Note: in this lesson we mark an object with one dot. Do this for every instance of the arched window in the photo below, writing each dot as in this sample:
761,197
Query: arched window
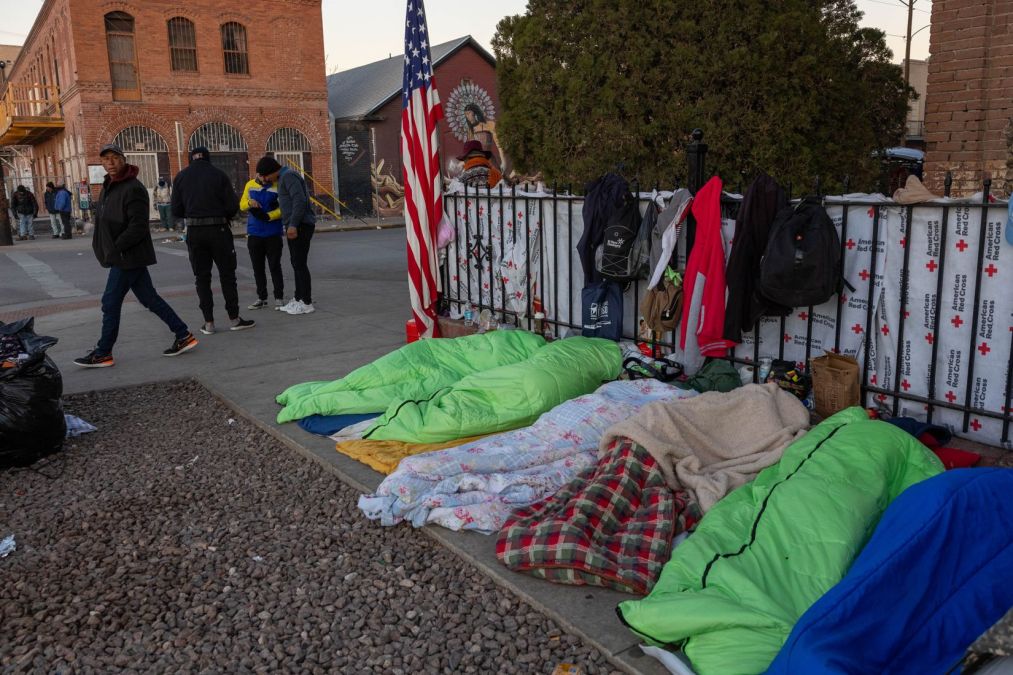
140,139
122,56
234,47
218,137
228,150
182,45
290,147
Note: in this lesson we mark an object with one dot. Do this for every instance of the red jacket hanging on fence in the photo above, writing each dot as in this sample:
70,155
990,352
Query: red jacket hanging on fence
703,309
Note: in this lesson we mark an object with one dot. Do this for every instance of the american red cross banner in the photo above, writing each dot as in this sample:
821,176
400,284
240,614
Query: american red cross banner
420,114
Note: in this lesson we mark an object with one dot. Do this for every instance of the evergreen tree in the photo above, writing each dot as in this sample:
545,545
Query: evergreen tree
795,88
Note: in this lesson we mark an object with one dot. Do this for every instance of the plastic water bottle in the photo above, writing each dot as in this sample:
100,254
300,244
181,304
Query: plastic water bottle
469,314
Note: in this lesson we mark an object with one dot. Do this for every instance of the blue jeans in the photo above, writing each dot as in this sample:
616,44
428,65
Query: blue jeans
139,281
26,225
165,215
54,224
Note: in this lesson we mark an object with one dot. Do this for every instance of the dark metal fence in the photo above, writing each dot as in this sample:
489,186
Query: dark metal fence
512,258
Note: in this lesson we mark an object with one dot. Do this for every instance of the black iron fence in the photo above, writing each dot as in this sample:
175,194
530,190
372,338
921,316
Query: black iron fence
930,321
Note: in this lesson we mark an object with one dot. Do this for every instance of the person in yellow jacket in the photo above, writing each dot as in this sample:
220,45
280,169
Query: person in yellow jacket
264,238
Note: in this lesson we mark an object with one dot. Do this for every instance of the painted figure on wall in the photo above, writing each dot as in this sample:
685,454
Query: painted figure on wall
471,115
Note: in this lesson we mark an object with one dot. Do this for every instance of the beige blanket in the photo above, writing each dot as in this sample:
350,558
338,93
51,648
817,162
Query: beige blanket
715,442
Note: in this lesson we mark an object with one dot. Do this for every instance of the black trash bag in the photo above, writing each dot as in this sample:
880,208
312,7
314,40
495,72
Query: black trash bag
32,425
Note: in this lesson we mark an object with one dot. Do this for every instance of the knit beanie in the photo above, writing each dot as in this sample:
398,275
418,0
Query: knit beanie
267,165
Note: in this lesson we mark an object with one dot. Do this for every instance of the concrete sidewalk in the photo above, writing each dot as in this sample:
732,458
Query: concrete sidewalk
361,313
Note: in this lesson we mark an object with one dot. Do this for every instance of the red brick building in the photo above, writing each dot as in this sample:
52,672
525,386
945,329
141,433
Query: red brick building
161,77
366,105
969,101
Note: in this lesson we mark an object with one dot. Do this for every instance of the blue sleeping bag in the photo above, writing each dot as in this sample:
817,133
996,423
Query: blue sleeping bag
934,576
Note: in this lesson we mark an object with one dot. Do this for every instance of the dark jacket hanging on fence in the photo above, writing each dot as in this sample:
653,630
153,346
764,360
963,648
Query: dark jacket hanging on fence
760,205
603,197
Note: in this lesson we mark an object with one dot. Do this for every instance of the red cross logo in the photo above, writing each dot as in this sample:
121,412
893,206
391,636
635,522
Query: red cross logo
991,270
984,349
787,338
931,265
903,242
976,425
803,315
961,245
864,274
885,330
951,397
844,298
957,321
850,244
881,398
857,329
905,385
873,379
930,338
871,212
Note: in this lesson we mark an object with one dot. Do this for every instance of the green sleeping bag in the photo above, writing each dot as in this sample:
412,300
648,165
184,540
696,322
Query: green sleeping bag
503,398
732,592
414,371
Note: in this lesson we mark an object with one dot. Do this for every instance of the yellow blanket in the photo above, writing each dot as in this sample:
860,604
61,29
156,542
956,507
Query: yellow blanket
384,456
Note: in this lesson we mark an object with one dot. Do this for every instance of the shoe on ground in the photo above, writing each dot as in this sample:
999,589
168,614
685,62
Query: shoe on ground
302,308
208,328
180,345
259,304
56,236
95,360
278,303
292,307
285,307
243,324
32,237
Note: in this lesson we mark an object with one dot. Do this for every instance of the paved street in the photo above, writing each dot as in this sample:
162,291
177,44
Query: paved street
360,291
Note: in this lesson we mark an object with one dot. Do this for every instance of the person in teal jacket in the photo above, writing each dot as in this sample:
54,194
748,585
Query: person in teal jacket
264,237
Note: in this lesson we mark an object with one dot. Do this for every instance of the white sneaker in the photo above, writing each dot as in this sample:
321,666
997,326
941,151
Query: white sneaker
293,307
303,308
287,306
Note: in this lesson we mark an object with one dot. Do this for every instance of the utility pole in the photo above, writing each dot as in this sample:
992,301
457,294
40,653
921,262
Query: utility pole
6,238
907,44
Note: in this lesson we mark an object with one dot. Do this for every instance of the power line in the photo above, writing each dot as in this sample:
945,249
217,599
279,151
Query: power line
901,5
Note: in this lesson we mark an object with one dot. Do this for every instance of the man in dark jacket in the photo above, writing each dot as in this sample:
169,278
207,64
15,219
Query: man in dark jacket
203,195
25,208
122,242
299,223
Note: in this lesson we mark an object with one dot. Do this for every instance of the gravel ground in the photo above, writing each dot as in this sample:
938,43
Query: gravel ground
173,541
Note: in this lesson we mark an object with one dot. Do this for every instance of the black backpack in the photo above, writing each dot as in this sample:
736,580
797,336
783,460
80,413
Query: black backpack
618,258
802,263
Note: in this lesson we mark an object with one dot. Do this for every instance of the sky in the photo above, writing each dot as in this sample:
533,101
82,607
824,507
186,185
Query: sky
357,32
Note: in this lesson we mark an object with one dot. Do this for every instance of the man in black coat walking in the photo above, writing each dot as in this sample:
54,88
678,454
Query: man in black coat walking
203,195
122,242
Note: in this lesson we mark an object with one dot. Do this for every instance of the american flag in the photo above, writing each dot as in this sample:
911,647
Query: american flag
423,202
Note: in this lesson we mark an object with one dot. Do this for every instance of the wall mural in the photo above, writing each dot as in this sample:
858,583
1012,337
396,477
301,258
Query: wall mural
388,195
471,115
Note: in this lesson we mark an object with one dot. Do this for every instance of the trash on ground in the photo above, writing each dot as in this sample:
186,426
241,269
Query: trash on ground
7,546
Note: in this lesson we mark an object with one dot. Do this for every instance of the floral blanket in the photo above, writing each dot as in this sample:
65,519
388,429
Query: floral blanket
612,526
477,485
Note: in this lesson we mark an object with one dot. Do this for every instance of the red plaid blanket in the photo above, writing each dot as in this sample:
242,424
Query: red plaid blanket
612,526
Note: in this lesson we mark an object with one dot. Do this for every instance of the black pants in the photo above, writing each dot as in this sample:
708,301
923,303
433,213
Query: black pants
65,221
298,252
207,245
269,249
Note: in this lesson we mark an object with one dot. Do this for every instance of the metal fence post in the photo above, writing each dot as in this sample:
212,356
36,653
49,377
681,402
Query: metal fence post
696,158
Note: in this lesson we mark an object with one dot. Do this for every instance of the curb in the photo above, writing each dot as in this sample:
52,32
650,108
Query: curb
162,236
